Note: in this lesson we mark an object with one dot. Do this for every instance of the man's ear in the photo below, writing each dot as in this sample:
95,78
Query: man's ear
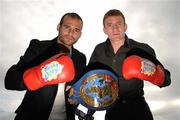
125,27
104,29
58,26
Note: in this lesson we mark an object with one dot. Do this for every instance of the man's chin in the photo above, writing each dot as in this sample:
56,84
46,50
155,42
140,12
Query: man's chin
69,44
116,38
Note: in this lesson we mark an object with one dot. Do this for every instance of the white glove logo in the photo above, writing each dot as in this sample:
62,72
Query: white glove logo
147,67
51,71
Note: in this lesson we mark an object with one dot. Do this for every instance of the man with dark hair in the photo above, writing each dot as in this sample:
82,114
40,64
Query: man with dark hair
134,62
49,102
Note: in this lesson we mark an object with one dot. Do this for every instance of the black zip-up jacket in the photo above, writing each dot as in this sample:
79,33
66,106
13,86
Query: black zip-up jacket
104,54
37,105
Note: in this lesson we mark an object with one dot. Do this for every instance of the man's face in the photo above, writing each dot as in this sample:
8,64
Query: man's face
115,28
69,31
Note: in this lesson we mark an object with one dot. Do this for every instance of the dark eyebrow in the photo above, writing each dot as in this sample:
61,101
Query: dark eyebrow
65,25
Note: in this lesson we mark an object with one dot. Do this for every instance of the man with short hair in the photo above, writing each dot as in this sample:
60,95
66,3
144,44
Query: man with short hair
49,102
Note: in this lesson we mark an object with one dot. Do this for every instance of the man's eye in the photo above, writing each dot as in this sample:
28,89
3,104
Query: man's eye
109,25
119,24
77,30
65,26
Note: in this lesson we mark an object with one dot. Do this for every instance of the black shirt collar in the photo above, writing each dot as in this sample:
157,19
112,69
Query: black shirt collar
109,49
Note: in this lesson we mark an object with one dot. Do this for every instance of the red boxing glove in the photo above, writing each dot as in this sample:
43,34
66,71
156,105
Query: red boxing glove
57,69
143,69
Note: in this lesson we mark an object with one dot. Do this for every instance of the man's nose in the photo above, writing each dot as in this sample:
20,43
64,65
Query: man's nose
70,31
115,27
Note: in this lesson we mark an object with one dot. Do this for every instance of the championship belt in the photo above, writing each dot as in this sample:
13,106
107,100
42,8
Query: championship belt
96,90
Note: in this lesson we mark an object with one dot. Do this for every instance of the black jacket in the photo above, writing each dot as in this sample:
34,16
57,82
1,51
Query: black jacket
38,104
104,54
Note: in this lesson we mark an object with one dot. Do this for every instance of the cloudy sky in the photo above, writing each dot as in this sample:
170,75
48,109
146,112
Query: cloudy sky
156,22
